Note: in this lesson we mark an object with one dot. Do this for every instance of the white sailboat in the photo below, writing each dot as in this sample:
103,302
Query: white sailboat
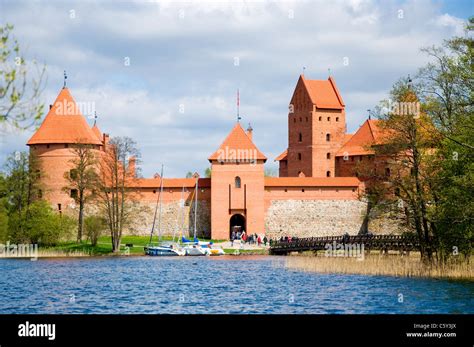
161,248
196,247
193,248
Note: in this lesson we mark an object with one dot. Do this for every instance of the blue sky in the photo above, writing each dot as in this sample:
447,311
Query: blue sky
182,57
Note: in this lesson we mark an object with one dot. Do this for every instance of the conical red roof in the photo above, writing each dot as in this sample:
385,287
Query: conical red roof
97,132
64,123
359,144
237,141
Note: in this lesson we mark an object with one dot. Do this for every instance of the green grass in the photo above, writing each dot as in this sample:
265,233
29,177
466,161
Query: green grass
104,245
245,251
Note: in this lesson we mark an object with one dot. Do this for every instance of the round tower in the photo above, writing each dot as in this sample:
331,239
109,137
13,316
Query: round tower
53,146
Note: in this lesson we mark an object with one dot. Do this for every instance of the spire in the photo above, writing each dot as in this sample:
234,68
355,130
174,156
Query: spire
65,78
238,106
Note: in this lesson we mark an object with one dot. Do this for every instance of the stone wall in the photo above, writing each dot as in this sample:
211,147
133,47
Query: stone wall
387,220
313,218
172,220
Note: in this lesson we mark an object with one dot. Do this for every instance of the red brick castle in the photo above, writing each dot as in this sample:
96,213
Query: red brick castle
317,192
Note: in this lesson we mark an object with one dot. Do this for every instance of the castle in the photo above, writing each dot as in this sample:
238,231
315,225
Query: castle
317,192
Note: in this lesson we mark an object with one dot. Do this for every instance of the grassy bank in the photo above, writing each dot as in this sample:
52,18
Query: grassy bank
389,265
103,247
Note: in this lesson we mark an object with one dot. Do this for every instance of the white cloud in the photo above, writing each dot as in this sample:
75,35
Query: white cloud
182,53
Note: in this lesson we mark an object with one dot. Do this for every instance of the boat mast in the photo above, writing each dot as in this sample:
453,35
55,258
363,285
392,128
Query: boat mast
156,206
195,205
161,193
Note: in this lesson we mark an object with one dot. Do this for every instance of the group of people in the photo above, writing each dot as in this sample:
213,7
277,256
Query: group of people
288,239
252,239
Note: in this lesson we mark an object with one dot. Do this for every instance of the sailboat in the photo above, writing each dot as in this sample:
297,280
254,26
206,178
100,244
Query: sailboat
161,248
195,247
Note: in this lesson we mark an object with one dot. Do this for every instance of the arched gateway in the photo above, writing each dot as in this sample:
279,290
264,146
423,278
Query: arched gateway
237,224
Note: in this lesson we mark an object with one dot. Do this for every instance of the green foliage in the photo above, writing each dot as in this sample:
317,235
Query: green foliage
39,224
95,227
20,105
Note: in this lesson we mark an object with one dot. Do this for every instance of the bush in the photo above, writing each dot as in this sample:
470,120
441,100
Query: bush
94,227
40,224
3,222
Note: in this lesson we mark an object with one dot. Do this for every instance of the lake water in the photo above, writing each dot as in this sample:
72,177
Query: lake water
244,284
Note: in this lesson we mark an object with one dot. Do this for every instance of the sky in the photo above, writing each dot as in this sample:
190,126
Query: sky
166,73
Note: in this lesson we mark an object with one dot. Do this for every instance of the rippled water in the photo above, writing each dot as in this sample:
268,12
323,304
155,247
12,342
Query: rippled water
213,285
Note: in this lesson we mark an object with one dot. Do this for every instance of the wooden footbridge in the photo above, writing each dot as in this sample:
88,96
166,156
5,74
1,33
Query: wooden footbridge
383,243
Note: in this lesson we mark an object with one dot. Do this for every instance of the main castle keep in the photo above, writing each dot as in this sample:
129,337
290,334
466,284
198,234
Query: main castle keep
317,192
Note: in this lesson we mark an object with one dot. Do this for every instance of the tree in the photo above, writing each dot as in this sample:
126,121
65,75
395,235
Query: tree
406,150
23,187
447,90
431,155
115,194
189,174
20,106
82,179
207,172
39,225
94,226
3,209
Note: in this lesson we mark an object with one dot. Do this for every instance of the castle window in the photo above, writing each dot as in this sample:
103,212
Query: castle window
59,207
301,119
40,194
302,190
294,120
329,118
328,155
337,119
237,182
66,145
328,137
299,156
47,146
352,158
154,191
328,173
286,190
320,119
300,137
387,171
306,118
74,193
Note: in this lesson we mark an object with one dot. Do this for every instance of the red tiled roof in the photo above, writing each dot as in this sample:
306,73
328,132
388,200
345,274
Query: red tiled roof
282,156
64,124
312,182
97,132
367,135
237,141
324,94
171,182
